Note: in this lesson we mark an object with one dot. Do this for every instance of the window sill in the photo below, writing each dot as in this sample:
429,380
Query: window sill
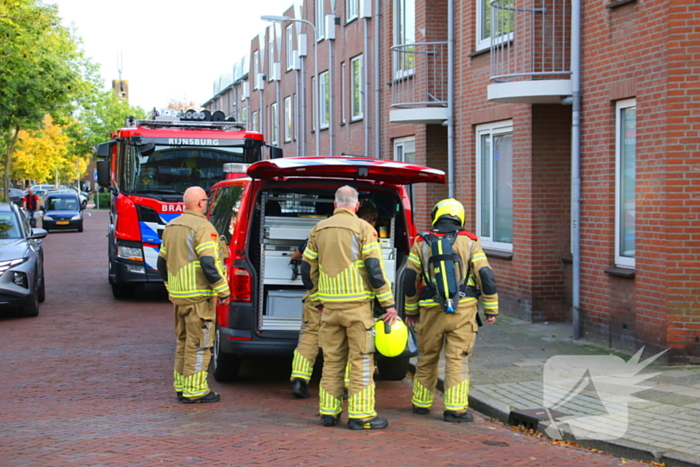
617,3
476,53
499,254
616,271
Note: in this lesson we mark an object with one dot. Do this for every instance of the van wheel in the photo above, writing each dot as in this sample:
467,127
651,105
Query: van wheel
121,291
392,369
226,366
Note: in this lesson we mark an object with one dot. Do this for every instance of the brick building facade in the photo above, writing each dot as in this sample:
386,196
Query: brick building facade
486,94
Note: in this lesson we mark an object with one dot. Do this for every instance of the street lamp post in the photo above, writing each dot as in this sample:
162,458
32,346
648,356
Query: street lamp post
281,19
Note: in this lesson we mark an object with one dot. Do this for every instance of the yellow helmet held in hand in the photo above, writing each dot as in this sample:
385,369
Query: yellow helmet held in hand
390,341
448,208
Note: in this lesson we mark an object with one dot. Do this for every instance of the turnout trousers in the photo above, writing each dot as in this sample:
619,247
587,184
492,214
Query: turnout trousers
194,328
307,349
346,337
456,333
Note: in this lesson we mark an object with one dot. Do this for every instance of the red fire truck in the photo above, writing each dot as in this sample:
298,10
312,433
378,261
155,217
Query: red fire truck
147,166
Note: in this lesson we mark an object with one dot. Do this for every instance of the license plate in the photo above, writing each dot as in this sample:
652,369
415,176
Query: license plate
61,222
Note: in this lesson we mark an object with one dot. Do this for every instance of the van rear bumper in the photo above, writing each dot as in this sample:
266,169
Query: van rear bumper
245,343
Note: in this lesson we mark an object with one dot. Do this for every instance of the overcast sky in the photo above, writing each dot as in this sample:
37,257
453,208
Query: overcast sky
170,49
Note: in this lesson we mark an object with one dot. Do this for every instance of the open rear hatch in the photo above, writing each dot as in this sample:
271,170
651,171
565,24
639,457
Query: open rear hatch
352,168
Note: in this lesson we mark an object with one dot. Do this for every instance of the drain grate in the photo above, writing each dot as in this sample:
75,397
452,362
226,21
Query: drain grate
530,418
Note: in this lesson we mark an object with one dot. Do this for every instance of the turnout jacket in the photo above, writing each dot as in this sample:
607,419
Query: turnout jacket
189,261
343,265
476,273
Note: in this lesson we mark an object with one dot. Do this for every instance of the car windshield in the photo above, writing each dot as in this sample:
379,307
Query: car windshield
8,226
62,204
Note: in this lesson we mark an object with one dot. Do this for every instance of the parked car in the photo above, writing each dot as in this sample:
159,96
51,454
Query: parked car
22,283
16,196
264,212
62,211
81,194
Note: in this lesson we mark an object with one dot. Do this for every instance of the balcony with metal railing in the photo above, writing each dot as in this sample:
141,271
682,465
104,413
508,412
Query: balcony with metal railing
530,51
419,85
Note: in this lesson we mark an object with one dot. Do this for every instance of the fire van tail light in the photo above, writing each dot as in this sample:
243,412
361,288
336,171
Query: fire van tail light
241,285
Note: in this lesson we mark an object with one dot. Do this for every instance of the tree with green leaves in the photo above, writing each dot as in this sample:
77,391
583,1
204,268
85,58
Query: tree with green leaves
40,71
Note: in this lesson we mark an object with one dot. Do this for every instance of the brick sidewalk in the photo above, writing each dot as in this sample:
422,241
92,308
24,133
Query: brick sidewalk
507,373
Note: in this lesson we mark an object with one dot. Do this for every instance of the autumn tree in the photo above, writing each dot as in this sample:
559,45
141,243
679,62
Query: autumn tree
41,153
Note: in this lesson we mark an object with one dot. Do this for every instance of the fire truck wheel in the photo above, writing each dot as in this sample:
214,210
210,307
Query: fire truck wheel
121,291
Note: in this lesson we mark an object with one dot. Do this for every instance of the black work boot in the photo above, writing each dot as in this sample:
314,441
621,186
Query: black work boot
330,420
211,397
457,417
421,410
375,423
300,388
179,395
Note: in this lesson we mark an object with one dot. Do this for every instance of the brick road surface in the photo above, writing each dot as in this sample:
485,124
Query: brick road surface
88,383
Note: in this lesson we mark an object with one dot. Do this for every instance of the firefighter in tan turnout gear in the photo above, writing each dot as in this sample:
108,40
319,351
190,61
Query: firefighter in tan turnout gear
343,271
189,263
307,349
454,329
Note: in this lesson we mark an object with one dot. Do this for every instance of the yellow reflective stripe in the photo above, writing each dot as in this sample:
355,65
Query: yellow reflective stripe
411,306
221,288
328,405
430,302
491,305
204,246
385,296
162,249
301,367
310,254
414,258
457,397
422,396
370,246
478,256
341,298
192,293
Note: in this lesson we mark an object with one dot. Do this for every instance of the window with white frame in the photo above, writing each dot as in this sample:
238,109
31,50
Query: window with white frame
502,22
350,10
405,151
274,124
256,68
244,114
255,121
343,93
625,181
314,103
295,116
494,191
271,53
405,36
356,100
320,20
290,47
288,119
325,96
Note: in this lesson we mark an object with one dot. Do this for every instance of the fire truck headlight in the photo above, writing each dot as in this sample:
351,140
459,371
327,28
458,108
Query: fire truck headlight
134,254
